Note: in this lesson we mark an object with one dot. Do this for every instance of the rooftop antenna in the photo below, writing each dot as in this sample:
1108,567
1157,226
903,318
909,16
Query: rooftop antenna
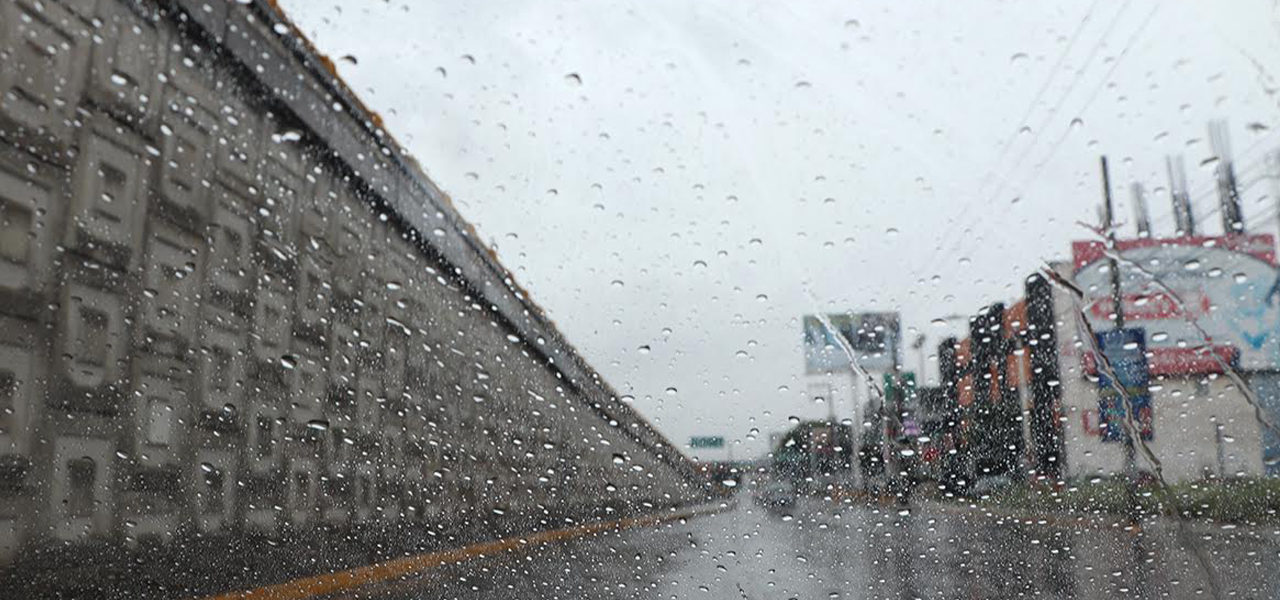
1142,217
1228,192
1183,219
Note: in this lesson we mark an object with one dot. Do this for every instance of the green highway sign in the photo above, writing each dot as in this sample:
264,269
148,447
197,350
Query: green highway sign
711,441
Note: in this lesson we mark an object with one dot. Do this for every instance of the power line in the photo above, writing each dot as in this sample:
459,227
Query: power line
1053,150
1037,133
1044,87
1093,53
1206,189
1058,143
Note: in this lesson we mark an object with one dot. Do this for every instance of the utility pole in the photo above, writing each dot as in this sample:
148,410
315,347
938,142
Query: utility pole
1228,191
918,346
1117,298
1141,216
831,403
1182,215
1113,267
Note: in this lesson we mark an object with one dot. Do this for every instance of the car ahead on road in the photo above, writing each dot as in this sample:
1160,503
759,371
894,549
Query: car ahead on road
775,494
989,485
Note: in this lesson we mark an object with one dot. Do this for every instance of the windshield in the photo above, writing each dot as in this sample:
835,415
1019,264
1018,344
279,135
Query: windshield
639,299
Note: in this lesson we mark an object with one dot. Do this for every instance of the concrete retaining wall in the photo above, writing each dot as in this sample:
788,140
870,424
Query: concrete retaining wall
232,308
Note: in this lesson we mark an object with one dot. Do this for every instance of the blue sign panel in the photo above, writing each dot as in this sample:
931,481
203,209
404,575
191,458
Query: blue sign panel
1126,352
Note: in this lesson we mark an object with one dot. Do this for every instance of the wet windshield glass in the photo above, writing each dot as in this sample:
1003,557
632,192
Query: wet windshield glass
639,300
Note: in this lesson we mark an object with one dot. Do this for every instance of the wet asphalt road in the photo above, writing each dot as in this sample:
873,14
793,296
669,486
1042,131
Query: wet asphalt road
824,550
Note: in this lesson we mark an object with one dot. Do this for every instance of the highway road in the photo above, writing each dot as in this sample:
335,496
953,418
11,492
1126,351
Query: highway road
821,549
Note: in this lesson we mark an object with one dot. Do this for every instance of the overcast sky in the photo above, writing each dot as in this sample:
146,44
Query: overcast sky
676,183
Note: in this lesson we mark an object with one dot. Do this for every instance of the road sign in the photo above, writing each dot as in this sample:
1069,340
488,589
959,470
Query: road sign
1126,351
711,441
891,386
873,337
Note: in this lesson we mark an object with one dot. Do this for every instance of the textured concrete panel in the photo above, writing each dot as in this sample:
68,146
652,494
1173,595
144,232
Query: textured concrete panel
234,309
46,50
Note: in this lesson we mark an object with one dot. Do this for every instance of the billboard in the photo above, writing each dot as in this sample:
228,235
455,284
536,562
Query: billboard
873,336
1175,287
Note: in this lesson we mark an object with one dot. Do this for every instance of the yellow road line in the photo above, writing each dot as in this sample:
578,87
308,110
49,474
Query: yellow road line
341,581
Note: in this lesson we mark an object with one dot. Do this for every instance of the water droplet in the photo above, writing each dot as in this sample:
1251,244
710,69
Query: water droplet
1018,57
289,361
671,391
349,58
1191,265
573,79
643,349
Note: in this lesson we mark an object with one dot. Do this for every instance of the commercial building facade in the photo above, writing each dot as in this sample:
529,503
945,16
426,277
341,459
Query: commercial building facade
1024,385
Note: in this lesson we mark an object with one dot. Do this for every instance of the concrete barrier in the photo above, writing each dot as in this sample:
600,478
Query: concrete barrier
238,319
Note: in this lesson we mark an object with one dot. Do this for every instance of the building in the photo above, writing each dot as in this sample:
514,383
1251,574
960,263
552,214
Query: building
1024,385
1003,384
